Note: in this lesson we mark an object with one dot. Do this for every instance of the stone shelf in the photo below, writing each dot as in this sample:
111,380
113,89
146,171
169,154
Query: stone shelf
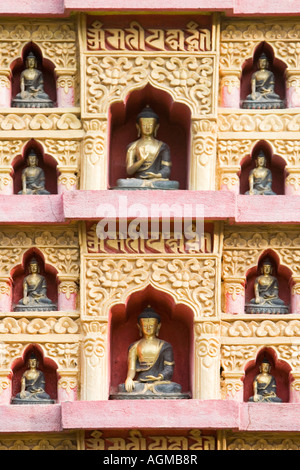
94,204
163,414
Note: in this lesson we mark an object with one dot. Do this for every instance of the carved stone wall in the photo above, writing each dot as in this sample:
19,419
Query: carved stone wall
119,58
240,130
58,130
189,279
57,333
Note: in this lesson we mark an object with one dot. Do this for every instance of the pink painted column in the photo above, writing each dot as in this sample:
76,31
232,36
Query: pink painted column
65,91
232,386
6,181
67,180
5,295
293,89
292,182
230,89
5,89
67,296
230,180
234,291
5,387
67,386
295,296
294,387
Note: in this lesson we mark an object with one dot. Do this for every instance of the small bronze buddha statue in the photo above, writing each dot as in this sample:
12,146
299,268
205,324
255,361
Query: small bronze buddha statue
35,292
32,94
148,160
150,364
32,386
266,298
262,94
33,177
260,178
264,386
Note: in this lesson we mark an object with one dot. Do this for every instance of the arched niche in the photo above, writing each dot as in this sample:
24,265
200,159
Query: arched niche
280,272
275,163
43,64
280,370
45,161
174,129
46,365
176,329
19,272
277,66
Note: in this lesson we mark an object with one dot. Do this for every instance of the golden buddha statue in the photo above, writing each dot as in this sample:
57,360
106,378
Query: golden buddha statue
148,160
33,177
32,94
150,363
266,298
264,386
32,386
262,94
34,292
260,179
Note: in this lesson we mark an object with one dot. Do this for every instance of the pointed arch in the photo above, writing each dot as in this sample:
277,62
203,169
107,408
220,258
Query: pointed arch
175,120
274,162
45,161
280,370
277,66
282,273
46,66
45,364
19,272
177,329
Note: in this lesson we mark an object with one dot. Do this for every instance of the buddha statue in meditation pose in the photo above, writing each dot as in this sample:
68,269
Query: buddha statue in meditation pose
148,160
32,386
35,292
260,178
33,177
264,386
32,94
262,94
266,298
150,364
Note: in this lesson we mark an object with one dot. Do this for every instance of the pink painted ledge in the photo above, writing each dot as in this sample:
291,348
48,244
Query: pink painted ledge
267,209
270,417
31,209
181,414
96,205
92,205
65,7
152,414
30,418
147,414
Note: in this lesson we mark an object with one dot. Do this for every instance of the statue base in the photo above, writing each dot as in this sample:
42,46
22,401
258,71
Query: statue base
263,399
149,396
45,308
135,183
267,309
32,104
19,401
260,193
275,104
150,391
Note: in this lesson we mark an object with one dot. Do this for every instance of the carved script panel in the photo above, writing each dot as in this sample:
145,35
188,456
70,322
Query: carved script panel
136,440
189,37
